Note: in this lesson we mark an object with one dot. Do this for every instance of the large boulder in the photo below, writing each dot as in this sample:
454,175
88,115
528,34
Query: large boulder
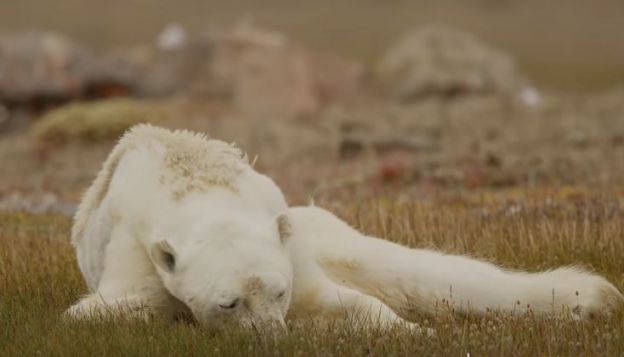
37,68
440,61
270,75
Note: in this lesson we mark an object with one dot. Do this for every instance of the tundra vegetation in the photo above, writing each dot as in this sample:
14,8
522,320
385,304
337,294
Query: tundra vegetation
39,279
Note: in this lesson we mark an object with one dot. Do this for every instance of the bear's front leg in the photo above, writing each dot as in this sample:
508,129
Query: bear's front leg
338,298
128,286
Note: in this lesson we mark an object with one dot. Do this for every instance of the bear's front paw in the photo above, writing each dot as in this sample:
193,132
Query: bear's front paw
94,307
85,309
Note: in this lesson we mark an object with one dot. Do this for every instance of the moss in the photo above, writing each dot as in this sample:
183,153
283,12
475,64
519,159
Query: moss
94,121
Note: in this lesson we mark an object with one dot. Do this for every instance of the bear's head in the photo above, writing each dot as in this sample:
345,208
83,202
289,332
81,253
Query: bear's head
229,269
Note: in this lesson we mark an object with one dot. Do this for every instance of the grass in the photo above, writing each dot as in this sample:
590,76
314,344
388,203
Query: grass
39,279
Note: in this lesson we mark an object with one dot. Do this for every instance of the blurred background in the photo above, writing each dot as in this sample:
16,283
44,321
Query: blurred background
572,44
338,99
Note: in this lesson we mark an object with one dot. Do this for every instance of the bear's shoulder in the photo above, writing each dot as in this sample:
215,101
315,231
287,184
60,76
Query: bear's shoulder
188,161
191,162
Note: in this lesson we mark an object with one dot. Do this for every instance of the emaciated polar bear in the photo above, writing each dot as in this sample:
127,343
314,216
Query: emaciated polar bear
176,224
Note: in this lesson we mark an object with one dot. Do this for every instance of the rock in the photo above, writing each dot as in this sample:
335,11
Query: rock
275,80
336,79
39,69
173,37
39,65
270,75
530,97
440,61
232,46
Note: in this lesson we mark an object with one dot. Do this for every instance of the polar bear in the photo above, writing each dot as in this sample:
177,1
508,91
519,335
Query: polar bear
175,224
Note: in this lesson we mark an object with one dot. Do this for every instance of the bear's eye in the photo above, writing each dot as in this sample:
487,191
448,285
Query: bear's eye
230,305
281,294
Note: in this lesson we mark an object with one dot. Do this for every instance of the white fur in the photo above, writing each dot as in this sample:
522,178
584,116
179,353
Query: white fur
201,199
410,280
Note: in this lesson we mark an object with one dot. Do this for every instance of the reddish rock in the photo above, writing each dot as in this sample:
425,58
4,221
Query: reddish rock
269,75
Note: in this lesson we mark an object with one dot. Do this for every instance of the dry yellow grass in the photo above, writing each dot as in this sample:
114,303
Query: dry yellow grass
39,279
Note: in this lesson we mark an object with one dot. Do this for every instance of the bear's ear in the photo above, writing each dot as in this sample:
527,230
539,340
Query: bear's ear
283,227
163,255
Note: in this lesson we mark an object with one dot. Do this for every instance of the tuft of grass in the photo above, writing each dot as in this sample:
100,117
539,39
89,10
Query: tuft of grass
94,121
39,279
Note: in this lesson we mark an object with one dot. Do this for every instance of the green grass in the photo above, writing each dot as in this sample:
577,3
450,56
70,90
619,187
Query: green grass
39,279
